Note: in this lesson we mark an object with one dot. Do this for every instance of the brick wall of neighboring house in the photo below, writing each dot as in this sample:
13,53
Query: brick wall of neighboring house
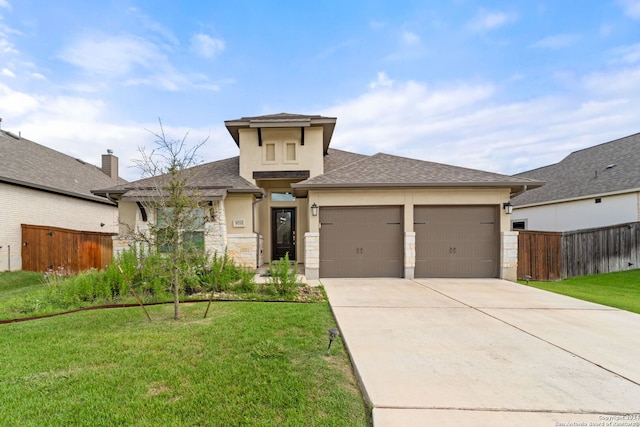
27,206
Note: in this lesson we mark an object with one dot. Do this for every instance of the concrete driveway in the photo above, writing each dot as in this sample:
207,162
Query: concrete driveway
487,352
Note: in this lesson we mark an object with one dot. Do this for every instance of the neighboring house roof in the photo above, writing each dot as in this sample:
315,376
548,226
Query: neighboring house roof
609,168
385,170
283,120
212,181
28,164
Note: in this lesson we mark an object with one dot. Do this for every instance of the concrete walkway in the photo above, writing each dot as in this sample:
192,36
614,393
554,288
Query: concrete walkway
486,352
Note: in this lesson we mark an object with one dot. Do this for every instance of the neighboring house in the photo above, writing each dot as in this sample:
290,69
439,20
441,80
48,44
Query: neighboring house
595,187
43,187
344,214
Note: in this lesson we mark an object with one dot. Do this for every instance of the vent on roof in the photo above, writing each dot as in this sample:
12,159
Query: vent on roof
611,166
12,135
81,161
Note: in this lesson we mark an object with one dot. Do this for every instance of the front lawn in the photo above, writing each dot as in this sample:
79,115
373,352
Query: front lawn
246,364
620,290
19,283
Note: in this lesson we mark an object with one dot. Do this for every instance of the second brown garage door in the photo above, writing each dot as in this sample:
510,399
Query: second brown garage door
456,241
361,241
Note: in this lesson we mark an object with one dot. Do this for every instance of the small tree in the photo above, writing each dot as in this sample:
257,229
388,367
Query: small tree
170,191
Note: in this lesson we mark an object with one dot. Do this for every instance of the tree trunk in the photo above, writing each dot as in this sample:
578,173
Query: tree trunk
176,293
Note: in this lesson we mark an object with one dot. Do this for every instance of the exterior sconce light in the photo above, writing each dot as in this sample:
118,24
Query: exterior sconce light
508,208
314,209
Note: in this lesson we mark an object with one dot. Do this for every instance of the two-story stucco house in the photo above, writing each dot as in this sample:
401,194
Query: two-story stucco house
344,214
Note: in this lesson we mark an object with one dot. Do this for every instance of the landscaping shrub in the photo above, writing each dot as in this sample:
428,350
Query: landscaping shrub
282,277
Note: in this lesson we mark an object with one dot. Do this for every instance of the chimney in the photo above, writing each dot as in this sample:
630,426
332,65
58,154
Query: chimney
110,164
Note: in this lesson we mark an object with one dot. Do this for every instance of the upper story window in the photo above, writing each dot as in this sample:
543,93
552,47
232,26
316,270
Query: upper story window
270,152
290,151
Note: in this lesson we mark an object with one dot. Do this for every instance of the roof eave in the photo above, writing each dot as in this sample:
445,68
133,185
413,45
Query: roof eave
575,199
97,199
510,185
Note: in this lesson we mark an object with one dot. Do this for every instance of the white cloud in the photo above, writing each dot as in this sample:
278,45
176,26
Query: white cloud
206,46
410,38
382,81
16,104
7,47
631,8
113,56
557,41
486,21
5,4
628,54
7,72
467,124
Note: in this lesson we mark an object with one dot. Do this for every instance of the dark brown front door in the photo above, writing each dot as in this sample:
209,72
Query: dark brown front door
283,233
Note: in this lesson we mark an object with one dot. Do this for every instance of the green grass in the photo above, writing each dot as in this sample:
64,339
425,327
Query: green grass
620,290
19,283
246,364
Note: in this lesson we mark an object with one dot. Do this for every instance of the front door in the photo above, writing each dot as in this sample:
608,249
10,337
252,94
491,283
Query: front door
283,233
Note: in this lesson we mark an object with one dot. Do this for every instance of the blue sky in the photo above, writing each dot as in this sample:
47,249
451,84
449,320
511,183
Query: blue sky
503,86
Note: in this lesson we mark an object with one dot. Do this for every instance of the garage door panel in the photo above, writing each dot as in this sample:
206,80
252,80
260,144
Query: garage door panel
456,241
361,241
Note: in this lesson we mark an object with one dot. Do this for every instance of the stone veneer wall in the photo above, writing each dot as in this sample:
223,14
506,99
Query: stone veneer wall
409,254
242,248
509,256
312,255
215,231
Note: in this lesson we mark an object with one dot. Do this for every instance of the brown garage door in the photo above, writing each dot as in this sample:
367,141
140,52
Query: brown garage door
456,241
361,241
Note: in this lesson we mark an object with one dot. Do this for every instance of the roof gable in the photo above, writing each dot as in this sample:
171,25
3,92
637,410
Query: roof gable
611,167
28,164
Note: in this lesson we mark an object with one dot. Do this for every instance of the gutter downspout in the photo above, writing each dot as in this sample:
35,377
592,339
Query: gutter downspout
253,227
517,193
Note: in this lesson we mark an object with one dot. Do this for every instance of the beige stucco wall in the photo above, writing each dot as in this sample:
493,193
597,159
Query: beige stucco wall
408,198
253,157
27,206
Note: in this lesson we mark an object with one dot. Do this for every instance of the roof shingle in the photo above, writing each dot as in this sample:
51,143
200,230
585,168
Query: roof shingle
386,170
605,168
26,163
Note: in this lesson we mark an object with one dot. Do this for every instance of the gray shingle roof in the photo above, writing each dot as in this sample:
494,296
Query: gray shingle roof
26,163
588,172
212,180
335,159
385,170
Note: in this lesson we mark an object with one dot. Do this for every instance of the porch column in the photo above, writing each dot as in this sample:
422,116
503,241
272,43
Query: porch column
409,254
509,256
312,255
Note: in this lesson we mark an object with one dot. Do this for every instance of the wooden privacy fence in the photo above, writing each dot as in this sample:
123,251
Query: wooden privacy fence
51,248
556,256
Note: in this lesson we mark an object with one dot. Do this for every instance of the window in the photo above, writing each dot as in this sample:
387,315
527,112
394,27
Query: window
282,197
519,224
192,230
270,152
290,151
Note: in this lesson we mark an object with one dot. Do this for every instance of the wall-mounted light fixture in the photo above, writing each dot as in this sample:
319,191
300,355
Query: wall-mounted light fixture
314,209
508,208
